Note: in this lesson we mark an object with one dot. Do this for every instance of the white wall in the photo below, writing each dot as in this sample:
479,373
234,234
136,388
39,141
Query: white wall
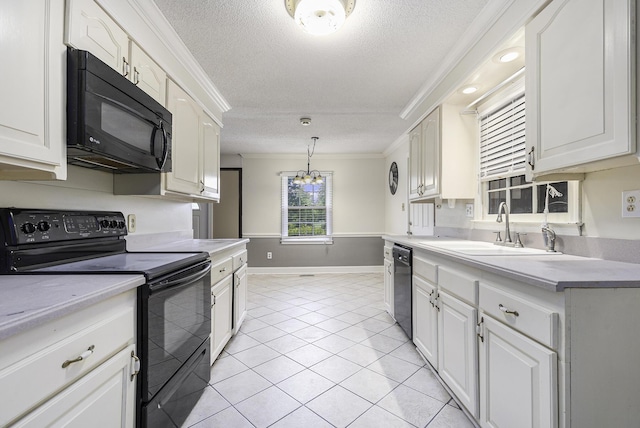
86,189
397,206
359,185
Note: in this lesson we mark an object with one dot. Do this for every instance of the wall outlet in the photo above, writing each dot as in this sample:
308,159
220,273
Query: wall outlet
131,223
631,203
269,255
469,210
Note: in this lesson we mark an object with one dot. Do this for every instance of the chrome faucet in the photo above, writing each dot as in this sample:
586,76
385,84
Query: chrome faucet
549,237
504,207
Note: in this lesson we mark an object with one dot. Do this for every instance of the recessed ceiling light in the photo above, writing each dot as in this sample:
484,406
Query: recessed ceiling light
509,56
469,90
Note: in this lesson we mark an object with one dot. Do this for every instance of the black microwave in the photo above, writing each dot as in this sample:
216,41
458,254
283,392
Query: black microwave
113,125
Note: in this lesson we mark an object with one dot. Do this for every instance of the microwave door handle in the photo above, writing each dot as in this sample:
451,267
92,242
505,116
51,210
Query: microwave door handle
165,145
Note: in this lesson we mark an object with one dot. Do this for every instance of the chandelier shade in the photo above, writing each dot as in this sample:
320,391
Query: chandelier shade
309,176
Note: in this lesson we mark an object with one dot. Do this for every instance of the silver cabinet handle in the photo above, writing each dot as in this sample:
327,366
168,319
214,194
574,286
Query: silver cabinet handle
135,367
125,67
136,76
86,354
508,311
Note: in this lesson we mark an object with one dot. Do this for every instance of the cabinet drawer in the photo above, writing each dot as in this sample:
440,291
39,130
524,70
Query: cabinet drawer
388,253
425,269
41,374
531,319
239,259
462,285
221,269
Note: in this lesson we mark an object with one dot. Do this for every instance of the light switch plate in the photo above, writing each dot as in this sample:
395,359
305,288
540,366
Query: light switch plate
631,203
131,223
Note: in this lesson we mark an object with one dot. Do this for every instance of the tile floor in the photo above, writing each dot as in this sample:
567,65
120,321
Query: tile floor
320,351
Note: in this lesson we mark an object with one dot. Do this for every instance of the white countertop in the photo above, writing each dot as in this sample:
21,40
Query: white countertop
211,246
553,272
27,301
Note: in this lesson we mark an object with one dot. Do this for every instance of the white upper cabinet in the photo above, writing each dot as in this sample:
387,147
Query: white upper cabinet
90,28
32,137
210,159
146,74
185,175
442,154
579,80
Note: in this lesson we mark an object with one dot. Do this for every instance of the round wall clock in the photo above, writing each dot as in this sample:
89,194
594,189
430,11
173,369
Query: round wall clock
393,178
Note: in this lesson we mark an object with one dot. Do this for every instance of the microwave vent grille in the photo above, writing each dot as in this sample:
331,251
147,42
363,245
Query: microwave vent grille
102,162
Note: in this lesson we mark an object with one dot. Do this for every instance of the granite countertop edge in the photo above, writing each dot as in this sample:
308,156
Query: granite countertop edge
555,272
26,312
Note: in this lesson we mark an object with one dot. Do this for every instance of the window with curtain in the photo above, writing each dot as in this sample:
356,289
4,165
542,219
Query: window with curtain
502,165
307,210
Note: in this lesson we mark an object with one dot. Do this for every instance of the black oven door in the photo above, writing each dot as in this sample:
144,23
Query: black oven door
174,321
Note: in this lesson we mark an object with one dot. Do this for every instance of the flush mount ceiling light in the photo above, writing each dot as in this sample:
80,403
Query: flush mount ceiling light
320,17
469,89
308,176
508,55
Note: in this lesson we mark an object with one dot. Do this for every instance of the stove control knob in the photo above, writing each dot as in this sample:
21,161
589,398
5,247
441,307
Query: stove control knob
43,226
121,224
28,228
104,223
113,224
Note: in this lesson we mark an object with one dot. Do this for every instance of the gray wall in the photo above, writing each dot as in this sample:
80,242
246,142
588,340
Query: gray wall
346,251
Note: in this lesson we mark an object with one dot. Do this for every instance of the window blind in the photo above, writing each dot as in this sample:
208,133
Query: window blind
502,140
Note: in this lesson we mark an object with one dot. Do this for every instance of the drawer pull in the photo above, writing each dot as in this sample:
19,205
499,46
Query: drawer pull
86,354
135,367
224,269
507,310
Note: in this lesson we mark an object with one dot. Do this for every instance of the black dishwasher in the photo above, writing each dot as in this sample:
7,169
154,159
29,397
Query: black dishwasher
402,287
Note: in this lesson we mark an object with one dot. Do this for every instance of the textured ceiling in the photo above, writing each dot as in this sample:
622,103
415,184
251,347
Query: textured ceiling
353,84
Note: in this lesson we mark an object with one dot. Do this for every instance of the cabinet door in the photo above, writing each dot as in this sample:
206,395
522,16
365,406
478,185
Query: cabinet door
240,282
32,138
425,319
457,349
185,176
388,286
147,75
221,315
90,28
518,379
415,167
579,81
107,394
211,158
430,156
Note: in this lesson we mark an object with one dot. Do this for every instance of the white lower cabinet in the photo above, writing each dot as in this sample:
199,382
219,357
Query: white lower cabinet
518,379
104,397
221,315
240,282
43,382
425,319
457,349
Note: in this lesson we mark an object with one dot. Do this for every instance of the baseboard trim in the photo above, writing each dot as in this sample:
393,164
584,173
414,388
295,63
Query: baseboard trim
283,270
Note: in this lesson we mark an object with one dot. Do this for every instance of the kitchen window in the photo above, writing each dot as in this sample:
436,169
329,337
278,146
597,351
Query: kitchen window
502,165
307,210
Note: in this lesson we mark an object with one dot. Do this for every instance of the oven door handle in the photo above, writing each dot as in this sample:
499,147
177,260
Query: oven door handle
180,281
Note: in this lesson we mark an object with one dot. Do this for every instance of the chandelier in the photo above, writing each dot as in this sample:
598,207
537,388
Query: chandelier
320,17
308,176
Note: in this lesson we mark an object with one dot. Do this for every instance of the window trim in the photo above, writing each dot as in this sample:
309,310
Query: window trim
284,208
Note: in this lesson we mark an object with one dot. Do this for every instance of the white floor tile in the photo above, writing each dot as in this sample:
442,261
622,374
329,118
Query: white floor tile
382,343
305,385
393,368
267,407
266,334
425,381
240,343
286,343
411,405
256,355
210,403
278,369
302,418
377,417
369,385
450,417
241,386
225,368
336,368
229,417
339,406
361,354
408,353
334,343
291,325
311,333
308,355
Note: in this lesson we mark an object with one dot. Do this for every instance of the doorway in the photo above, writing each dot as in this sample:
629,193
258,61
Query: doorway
227,215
